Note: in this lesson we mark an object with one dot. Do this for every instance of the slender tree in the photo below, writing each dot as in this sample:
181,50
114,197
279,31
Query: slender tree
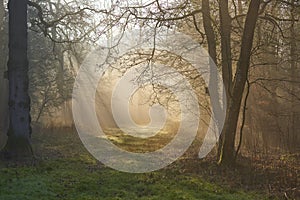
240,78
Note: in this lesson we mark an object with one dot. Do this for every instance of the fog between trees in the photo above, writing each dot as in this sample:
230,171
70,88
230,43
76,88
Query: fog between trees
61,37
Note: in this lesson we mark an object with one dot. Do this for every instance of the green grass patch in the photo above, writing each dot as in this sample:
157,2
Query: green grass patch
79,179
65,170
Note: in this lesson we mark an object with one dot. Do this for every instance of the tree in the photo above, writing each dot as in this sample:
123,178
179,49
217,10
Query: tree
19,133
234,79
3,81
237,89
227,29
57,32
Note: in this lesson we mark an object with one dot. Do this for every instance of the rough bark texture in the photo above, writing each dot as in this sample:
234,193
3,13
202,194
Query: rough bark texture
18,144
233,110
3,80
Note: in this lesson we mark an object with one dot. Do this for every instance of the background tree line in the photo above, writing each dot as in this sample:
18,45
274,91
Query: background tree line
255,45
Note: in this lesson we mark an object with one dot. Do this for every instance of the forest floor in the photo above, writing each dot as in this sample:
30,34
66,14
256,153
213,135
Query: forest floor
63,169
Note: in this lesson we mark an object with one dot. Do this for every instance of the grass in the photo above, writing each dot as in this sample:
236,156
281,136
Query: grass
64,170
79,179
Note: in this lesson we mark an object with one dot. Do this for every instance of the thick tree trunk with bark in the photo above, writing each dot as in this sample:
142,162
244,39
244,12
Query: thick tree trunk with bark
18,144
3,81
233,109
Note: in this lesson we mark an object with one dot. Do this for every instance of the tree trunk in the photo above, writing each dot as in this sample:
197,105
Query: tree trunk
225,26
18,144
225,21
292,140
233,109
3,80
212,50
